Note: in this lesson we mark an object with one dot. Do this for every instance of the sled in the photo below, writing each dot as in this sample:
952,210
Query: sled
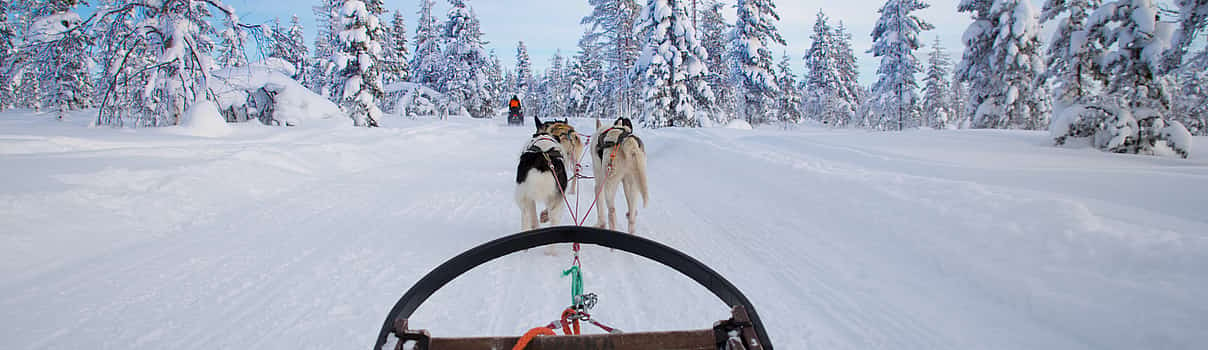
742,331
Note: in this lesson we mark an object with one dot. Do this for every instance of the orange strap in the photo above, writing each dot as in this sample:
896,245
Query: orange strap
566,325
532,333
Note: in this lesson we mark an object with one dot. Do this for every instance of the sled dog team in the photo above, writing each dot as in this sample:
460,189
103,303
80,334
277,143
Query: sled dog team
548,164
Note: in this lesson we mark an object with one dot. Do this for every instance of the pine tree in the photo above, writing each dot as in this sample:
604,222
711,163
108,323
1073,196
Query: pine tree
290,46
1002,62
895,38
465,81
960,99
58,45
327,24
426,66
1191,101
1134,118
396,51
586,78
1194,20
553,96
672,69
524,71
8,52
230,49
937,99
789,100
823,81
713,36
613,27
496,87
359,61
851,94
1071,69
751,59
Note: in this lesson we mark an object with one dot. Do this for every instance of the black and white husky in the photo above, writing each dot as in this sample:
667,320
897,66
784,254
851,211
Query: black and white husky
541,176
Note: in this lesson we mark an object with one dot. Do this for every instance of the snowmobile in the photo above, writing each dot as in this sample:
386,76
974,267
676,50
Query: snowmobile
515,118
742,331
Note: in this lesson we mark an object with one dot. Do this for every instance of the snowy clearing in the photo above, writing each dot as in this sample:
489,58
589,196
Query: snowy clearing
304,237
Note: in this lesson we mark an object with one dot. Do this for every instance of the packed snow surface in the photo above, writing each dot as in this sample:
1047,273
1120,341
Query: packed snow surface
288,238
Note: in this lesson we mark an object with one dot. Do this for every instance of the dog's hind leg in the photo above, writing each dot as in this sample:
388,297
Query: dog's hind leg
528,215
600,203
554,209
631,203
610,195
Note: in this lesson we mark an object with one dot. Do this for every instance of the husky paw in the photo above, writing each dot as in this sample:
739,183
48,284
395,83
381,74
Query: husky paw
544,216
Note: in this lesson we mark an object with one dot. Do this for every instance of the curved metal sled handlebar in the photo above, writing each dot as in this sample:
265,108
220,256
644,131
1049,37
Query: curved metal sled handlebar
652,250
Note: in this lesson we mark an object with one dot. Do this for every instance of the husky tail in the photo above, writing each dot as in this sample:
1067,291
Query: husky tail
635,151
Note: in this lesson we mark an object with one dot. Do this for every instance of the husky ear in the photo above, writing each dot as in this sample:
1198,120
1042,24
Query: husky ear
537,122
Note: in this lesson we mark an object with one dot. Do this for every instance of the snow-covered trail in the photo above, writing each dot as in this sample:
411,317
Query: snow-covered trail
304,238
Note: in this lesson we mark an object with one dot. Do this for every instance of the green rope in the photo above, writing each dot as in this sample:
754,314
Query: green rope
576,282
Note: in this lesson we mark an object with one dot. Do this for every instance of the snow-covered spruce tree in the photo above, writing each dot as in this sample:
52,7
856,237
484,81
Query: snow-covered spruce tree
8,52
179,40
895,38
426,66
1191,102
1194,17
466,80
960,99
614,27
751,63
396,51
822,80
851,94
1002,62
524,71
788,102
496,87
230,49
671,71
359,61
713,36
1071,69
52,57
1135,117
586,77
553,93
322,66
289,46
937,97
60,46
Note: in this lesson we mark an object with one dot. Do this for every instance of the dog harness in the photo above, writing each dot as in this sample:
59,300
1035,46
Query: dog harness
604,143
554,152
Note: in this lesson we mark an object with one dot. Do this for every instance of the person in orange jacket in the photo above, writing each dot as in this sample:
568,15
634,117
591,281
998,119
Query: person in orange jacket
514,105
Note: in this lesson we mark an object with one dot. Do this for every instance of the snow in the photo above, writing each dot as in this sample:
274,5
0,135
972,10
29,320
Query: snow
203,119
295,104
304,237
51,27
739,124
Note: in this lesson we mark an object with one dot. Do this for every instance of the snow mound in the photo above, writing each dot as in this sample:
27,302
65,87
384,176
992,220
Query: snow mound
204,120
291,103
739,124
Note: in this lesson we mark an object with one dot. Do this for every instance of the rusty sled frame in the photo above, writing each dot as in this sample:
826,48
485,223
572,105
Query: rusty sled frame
743,330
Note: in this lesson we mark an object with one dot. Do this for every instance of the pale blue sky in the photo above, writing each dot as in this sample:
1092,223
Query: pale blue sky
548,25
